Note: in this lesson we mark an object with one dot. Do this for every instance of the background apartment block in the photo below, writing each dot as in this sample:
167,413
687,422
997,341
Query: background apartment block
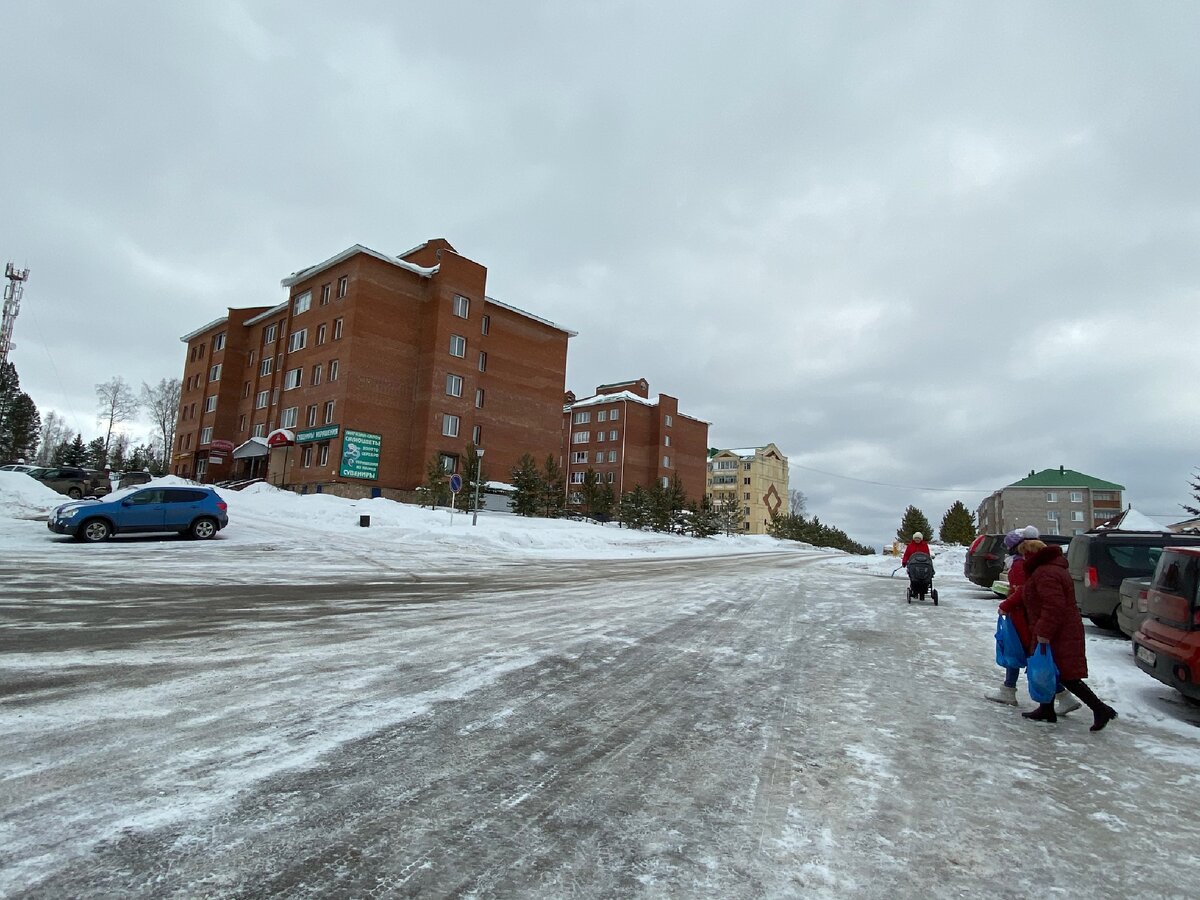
630,439
1057,501
404,358
756,477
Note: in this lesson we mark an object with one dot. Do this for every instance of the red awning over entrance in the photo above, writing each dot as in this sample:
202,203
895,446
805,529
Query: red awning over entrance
280,437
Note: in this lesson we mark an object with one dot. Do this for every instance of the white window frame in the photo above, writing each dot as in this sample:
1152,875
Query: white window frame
461,306
219,342
477,435
450,425
1077,515
485,324
326,290
579,457
612,435
458,346
323,454
337,328
666,462
333,370
330,407
260,430
289,417
1052,515
270,333
666,440
298,340
293,379
479,396
581,437
667,420
310,416
599,435
578,477
1076,496
482,361
454,385
302,303
582,417
343,286
306,456
1051,496
206,434
322,331
315,379
214,374
210,403
265,367
601,415
613,415
612,456
261,399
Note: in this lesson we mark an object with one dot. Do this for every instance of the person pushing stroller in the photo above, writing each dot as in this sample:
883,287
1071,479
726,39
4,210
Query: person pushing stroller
918,562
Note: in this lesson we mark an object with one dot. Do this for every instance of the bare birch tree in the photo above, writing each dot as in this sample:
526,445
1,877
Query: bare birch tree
115,405
161,402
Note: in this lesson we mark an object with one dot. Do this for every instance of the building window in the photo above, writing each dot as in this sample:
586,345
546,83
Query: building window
667,421
612,435
1105,495
482,361
577,477
745,496
599,435
245,389
214,374
311,415
210,403
1076,496
337,328
1051,496
666,462
323,454
602,415
485,324
260,430
449,425
1077,515
581,437
582,418
343,286
329,407
316,375
666,482
201,468
206,435
579,457
321,331
449,462
599,456
219,342
298,341
614,414
241,424
261,399
292,379
306,456
458,345
477,435
612,456
289,417
667,441
333,370
610,478
745,481
302,303
479,398
325,291
270,333
1052,515
454,385
461,306
264,368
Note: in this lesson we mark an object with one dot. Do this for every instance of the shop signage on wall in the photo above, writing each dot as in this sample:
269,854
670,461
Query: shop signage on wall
360,455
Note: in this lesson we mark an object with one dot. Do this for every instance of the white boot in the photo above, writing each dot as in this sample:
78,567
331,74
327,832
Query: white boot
1065,702
1004,694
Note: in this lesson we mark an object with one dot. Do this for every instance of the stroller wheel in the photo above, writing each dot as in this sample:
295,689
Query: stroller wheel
933,594
908,595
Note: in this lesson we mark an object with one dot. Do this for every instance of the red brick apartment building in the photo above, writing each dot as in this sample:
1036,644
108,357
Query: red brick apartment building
373,365
629,439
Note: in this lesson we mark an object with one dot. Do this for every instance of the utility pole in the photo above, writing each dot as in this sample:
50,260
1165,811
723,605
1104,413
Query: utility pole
12,305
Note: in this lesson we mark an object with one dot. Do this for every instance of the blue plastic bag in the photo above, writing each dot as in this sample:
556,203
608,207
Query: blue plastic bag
1042,674
1010,652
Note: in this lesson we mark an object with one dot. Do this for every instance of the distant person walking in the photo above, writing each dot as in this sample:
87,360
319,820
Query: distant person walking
916,545
1049,599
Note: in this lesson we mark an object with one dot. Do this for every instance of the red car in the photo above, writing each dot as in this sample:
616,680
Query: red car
1168,644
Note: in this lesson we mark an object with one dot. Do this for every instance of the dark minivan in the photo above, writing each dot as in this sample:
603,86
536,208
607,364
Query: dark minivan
1167,646
1100,560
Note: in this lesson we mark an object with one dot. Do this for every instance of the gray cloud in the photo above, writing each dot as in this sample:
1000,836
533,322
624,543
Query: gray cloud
919,246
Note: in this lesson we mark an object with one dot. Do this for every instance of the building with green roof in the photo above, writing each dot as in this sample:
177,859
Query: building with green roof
1056,501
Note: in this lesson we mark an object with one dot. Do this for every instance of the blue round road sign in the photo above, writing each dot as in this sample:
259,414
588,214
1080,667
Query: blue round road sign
455,483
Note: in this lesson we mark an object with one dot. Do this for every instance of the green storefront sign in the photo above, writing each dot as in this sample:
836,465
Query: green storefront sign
324,433
360,455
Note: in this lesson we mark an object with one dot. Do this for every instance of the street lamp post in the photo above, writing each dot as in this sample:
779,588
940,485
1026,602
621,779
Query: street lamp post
478,475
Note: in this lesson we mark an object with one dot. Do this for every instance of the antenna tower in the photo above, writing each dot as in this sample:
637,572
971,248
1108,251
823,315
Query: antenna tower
12,305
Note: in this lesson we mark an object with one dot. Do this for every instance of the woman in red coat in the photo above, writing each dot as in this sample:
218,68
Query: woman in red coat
1049,599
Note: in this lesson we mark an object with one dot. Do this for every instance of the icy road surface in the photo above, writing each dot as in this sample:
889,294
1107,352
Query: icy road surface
745,726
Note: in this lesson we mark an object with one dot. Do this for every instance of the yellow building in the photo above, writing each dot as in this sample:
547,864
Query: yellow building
757,477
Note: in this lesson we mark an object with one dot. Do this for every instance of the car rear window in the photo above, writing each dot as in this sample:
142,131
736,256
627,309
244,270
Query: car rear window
1134,558
1179,574
185,495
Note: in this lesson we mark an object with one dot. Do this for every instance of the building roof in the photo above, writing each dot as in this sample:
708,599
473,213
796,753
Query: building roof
192,335
1065,478
600,399
529,315
297,277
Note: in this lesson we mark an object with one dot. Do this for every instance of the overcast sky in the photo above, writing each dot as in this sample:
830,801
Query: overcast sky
925,248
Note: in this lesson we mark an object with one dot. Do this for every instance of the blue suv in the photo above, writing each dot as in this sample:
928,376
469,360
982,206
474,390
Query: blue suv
195,511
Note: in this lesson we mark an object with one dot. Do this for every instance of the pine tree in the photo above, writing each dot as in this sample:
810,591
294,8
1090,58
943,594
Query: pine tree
553,489
914,520
76,453
677,505
658,506
705,522
435,490
529,487
1194,484
20,424
958,525
97,455
605,501
730,515
635,508
589,492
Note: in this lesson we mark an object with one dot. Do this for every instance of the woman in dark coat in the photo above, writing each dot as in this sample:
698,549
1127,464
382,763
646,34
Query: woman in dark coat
1049,598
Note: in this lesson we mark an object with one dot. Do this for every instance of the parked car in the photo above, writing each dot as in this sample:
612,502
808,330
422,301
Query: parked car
195,511
18,467
132,479
1100,560
1135,604
1167,646
1000,585
73,481
985,560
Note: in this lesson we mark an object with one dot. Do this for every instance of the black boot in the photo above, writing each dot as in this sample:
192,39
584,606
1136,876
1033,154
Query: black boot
1103,716
1044,713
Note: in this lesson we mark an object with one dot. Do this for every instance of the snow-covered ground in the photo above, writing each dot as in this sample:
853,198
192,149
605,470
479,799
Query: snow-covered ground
544,708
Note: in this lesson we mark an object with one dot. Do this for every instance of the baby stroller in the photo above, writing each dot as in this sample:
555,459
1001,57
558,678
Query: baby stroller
920,578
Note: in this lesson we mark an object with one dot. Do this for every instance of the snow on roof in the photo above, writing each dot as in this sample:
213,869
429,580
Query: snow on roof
530,315
266,314
1132,520
608,398
297,277
199,331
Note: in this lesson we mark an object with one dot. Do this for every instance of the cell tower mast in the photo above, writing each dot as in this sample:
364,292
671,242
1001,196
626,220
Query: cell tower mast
12,305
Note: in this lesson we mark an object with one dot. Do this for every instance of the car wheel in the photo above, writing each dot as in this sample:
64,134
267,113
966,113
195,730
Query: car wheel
203,529
93,531
1108,623
74,493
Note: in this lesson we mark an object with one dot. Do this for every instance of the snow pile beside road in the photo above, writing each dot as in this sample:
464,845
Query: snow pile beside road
22,497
